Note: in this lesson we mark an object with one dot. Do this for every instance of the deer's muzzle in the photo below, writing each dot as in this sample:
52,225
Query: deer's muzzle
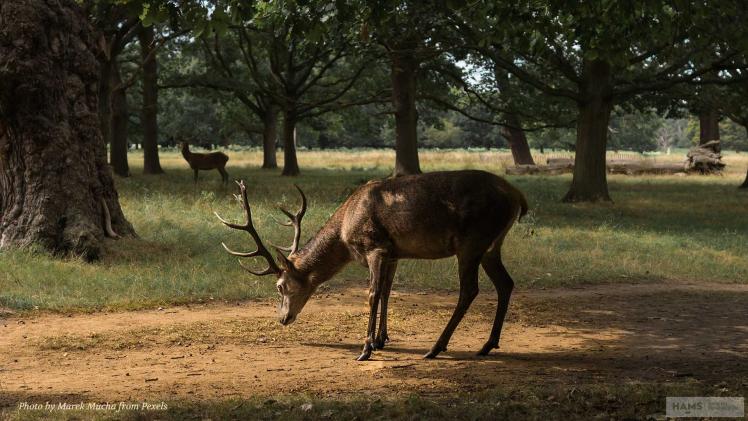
287,319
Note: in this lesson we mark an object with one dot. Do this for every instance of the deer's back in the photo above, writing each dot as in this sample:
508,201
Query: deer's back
207,161
429,215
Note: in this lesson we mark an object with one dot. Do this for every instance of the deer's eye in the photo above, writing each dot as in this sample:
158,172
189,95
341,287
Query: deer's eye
280,288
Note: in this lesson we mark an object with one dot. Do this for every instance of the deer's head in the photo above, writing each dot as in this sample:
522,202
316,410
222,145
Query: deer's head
294,287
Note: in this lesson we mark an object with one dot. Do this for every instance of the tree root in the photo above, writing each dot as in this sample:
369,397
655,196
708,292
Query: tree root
108,221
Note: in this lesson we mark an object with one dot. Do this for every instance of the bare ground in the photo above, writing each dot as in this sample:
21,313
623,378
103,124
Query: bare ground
610,334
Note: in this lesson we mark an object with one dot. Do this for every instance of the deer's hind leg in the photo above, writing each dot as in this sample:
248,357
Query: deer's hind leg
504,284
224,175
468,267
389,275
195,176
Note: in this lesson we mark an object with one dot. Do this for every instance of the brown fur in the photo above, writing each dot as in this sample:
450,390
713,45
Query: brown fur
206,161
427,216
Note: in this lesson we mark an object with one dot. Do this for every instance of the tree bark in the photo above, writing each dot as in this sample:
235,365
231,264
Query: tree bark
513,132
118,120
105,87
290,164
589,182
404,70
269,138
708,125
745,183
517,140
149,113
54,179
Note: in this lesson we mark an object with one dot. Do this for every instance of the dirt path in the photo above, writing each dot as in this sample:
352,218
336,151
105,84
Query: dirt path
608,334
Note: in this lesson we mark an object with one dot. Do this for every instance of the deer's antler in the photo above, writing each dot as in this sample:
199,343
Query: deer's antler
295,221
249,227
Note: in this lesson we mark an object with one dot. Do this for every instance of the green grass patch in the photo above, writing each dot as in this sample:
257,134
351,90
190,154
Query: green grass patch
659,228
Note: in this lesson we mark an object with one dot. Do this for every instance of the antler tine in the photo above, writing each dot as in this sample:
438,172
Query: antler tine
286,249
240,254
268,271
285,224
250,228
295,221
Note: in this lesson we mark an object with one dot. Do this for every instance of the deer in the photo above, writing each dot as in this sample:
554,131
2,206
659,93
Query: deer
435,215
206,161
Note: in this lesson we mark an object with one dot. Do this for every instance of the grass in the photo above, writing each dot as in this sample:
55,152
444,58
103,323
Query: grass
624,401
659,228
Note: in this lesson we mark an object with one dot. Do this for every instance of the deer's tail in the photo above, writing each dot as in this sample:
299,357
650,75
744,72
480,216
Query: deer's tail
517,198
522,204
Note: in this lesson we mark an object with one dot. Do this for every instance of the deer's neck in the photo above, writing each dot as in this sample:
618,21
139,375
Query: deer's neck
324,255
186,152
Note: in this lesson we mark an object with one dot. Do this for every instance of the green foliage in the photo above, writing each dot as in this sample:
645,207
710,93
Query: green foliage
732,135
634,131
555,138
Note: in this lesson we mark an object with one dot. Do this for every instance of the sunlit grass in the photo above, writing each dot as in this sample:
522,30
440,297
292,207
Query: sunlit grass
659,228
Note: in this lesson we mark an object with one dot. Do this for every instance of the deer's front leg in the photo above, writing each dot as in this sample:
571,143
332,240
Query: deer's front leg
376,271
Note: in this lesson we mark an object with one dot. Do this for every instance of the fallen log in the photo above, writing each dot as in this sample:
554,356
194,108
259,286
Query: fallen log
705,159
559,161
621,167
539,169
647,168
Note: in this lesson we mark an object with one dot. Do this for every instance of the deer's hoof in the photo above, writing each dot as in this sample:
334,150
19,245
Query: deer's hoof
487,349
380,342
366,353
433,353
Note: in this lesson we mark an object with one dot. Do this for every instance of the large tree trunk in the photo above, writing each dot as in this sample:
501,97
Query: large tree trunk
54,179
149,114
590,183
404,69
514,134
118,120
105,87
708,125
290,164
745,183
269,137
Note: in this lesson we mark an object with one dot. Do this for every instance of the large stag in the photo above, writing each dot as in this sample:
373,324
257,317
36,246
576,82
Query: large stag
206,161
428,216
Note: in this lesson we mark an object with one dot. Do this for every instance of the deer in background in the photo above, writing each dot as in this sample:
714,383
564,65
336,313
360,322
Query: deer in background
426,216
206,161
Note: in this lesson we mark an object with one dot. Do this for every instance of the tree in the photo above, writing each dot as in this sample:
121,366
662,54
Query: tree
118,26
599,54
149,112
299,61
634,130
672,132
412,35
708,125
734,107
230,75
55,184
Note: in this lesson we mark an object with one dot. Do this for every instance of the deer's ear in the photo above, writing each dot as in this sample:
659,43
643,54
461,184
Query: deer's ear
283,261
